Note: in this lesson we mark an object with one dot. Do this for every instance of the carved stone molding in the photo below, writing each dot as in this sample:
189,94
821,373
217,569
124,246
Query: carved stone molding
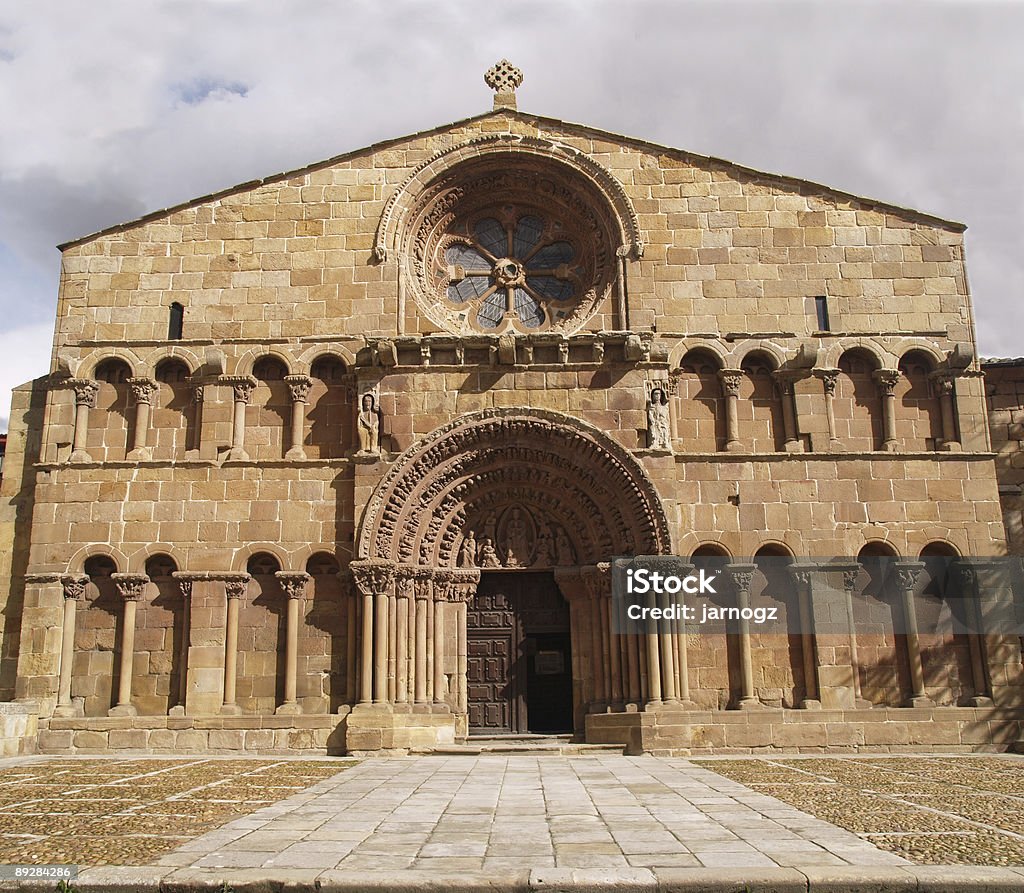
130,586
594,497
292,582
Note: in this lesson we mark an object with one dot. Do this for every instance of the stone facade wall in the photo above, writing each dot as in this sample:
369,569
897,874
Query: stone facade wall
782,437
1005,389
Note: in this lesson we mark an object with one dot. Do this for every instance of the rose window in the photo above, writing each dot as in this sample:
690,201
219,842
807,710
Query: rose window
518,268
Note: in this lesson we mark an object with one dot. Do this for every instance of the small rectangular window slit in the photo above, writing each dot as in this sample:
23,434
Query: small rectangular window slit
821,309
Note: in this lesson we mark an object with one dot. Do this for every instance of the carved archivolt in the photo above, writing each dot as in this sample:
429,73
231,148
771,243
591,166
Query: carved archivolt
526,488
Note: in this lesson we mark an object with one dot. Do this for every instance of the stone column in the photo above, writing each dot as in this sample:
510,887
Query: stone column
463,592
243,386
424,596
142,393
85,399
443,582
294,585
907,574
785,386
600,701
887,379
185,587
850,575
234,588
803,581
829,379
652,640
730,379
944,384
602,578
741,576
666,642
350,596
130,587
375,580
967,579
74,592
681,657
298,386
404,594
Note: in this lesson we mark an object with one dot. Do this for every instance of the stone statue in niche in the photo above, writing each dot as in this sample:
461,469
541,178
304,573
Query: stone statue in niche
658,429
563,549
545,554
467,554
368,426
488,556
517,540
510,558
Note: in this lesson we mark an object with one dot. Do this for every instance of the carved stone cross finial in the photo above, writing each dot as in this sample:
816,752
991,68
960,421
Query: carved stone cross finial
503,78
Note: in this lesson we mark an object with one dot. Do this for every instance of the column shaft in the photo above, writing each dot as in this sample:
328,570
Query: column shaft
366,652
380,649
291,654
402,649
421,651
230,654
439,615
67,652
613,653
597,661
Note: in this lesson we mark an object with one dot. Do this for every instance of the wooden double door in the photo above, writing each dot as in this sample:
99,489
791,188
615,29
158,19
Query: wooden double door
519,656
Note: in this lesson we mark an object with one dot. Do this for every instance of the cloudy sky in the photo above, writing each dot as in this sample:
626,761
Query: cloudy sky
112,109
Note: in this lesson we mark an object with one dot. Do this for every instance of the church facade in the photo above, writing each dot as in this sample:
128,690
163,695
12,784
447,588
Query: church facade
337,460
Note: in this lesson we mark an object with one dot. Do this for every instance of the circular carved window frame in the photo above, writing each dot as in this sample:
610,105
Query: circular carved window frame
496,184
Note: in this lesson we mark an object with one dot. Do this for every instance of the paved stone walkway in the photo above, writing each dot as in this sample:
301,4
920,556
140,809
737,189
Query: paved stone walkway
464,814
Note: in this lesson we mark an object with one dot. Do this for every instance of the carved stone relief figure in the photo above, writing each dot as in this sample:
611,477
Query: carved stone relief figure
658,426
545,554
563,549
517,539
467,554
488,556
368,426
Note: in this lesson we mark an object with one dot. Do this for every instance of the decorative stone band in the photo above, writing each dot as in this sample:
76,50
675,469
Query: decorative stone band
243,386
130,586
456,584
73,584
85,391
293,582
38,579
142,389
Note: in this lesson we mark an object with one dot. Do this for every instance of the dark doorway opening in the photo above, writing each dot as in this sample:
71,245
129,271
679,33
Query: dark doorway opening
520,660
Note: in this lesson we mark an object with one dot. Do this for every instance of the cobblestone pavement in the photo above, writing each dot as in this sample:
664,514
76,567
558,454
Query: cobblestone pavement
466,814
933,810
128,811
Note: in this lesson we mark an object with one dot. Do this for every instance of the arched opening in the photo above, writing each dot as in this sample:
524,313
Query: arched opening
97,639
759,409
858,403
777,652
877,615
173,421
269,411
700,409
919,411
112,423
713,658
327,649
261,638
330,410
159,628
943,614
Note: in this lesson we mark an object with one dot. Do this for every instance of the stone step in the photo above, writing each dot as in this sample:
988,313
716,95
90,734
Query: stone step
521,745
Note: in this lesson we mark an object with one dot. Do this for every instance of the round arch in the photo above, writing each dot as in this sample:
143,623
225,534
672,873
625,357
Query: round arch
245,363
559,473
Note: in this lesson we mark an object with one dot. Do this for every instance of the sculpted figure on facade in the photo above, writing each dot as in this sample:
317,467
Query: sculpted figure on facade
659,435
488,554
467,554
368,426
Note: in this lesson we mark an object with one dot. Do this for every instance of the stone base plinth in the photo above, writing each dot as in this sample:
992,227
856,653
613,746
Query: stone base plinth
19,727
195,734
374,729
667,732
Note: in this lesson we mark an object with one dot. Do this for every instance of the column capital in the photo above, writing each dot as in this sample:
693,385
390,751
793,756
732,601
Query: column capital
142,389
829,378
740,575
198,393
298,386
464,584
372,576
243,386
74,586
130,586
887,379
405,581
944,380
907,573
785,379
730,379
235,584
597,579
803,574
293,582
85,391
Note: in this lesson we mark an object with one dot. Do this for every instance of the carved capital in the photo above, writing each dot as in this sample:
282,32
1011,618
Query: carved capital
907,573
785,380
598,580
829,378
85,391
405,583
142,389
298,387
966,576
185,587
372,576
801,574
74,586
423,579
292,582
197,393
235,584
850,578
741,576
730,379
887,379
943,382
464,584
130,586
242,385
